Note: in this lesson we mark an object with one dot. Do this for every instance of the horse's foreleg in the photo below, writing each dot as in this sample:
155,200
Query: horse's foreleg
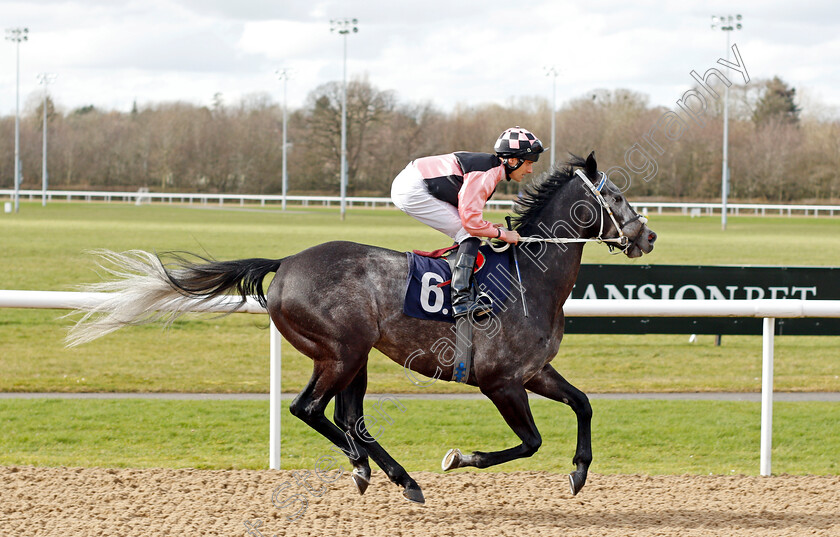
349,409
512,403
549,383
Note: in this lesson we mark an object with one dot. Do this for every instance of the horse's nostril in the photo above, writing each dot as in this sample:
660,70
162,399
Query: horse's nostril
652,237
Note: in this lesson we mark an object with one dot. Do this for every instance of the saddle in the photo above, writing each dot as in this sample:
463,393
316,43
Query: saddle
450,255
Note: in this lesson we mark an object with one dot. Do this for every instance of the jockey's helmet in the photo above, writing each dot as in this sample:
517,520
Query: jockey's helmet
520,143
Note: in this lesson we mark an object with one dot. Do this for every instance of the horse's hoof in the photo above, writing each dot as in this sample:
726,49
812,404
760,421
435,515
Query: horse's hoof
360,481
413,494
451,460
576,482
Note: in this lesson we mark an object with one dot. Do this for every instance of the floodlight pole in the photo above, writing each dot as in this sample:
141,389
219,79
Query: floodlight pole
16,35
45,79
553,72
283,74
344,27
727,24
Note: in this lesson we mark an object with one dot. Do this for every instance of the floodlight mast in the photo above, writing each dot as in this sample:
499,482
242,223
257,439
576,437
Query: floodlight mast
725,23
284,74
45,79
344,27
16,35
553,73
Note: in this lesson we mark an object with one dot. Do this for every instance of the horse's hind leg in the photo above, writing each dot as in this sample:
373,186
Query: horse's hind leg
549,383
310,404
349,414
328,379
512,403
349,409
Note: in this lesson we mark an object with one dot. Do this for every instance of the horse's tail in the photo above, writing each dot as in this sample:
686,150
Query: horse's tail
146,290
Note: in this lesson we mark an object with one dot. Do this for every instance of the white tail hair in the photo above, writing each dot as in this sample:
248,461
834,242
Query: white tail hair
140,293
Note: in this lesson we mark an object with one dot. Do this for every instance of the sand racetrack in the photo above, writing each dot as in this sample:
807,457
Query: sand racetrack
101,501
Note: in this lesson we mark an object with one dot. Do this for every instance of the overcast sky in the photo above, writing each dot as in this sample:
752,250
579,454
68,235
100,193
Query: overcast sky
110,53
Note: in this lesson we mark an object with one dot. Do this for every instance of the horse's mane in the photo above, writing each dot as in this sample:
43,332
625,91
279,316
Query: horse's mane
538,193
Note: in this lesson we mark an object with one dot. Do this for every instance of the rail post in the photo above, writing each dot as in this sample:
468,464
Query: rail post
768,334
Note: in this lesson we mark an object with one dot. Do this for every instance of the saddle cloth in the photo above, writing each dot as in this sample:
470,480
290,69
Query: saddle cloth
427,293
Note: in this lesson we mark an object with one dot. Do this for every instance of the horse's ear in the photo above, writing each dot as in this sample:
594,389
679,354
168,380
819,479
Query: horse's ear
591,167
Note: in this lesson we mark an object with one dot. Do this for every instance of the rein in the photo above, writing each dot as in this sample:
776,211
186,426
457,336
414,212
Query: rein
614,243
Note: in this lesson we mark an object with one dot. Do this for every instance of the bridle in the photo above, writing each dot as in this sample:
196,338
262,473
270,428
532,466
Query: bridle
622,240
617,245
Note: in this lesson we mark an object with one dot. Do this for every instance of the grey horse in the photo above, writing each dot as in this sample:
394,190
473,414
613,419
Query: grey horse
336,301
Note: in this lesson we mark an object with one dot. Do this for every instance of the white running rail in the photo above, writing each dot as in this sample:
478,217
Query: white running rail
692,208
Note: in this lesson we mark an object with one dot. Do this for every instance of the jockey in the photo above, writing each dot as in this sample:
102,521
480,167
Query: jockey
448,193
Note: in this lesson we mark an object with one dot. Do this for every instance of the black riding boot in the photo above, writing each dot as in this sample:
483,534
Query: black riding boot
462,283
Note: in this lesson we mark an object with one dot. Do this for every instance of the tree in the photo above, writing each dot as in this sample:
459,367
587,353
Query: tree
39,112
367,106
777,103
83,110
408,132
236,147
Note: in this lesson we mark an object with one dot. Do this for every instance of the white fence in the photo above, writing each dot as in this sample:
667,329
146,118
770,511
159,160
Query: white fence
263,199
769,310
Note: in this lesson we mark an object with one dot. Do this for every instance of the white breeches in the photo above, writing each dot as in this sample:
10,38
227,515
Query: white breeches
410,195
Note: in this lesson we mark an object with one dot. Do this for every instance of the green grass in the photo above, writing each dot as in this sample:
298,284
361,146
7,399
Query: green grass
48,244
656,437
45,250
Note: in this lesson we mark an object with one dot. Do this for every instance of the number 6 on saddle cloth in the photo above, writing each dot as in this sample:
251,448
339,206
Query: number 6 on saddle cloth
428,294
